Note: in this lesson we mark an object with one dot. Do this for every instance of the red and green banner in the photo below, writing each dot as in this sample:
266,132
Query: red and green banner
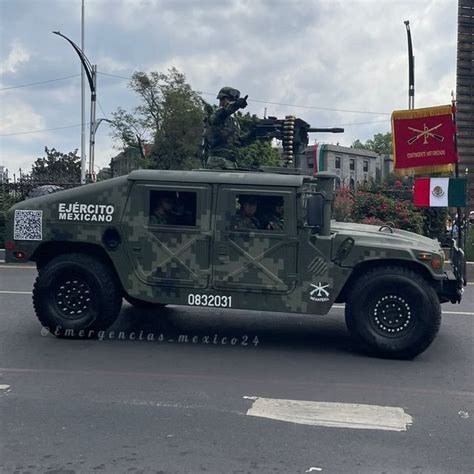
319,164
424,140
440,192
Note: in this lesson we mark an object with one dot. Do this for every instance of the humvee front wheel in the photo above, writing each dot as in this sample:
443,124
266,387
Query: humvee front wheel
393,312
76,295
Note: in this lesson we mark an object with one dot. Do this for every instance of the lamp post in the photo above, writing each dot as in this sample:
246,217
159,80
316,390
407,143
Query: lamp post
91,73
411,69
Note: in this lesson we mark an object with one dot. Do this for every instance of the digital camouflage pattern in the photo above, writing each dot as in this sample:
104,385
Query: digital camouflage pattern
292,270
223,137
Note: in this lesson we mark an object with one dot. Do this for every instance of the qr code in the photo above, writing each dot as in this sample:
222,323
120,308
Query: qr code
28,225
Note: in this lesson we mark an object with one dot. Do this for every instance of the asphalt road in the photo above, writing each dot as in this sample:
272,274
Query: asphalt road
131,405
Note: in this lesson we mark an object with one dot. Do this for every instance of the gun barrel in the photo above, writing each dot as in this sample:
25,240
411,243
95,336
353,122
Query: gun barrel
327,130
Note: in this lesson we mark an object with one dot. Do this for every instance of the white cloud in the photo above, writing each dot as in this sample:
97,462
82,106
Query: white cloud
17,116
339,54
18,54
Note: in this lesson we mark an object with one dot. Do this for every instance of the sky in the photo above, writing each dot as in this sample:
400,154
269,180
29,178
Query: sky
329,62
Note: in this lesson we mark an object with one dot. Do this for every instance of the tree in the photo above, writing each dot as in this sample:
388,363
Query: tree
381,144
170,116
57,167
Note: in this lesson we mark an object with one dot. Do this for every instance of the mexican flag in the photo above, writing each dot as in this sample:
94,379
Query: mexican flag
440,192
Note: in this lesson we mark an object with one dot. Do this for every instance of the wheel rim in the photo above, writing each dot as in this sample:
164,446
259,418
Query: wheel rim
392,316
73,298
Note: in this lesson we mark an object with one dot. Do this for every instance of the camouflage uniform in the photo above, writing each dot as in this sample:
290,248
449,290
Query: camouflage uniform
242,222
223,137
161,219
275,221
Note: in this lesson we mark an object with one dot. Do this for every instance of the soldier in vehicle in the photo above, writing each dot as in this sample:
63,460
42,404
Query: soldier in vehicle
162,212
244,218
223,136
275,219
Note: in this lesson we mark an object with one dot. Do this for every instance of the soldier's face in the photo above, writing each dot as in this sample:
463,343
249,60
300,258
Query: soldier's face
279,209
249,209
224,101
167,204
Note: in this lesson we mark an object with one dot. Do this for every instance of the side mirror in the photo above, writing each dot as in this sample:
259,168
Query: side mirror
315,209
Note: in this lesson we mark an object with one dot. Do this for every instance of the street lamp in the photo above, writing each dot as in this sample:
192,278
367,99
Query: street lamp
91,73
411,69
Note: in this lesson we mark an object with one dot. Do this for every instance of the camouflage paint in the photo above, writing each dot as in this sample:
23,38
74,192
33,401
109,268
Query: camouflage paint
285,270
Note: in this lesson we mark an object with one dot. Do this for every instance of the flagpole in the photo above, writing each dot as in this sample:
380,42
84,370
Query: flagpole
456,171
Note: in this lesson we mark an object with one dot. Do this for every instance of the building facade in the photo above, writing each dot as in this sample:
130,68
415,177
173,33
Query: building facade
465,94
353,166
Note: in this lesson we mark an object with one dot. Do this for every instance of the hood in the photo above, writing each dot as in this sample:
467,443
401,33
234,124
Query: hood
397,238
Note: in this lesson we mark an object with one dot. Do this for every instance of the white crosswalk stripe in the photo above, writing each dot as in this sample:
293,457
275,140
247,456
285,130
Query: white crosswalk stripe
335,415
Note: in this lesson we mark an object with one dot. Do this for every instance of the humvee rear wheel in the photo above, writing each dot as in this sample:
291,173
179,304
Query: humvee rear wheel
393,312
75,292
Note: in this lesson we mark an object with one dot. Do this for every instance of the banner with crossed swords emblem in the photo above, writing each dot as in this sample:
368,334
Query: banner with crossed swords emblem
424,140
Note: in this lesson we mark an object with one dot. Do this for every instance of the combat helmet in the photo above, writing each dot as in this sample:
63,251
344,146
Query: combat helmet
229,92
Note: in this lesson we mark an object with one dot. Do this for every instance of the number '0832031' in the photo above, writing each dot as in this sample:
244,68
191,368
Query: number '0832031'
215,301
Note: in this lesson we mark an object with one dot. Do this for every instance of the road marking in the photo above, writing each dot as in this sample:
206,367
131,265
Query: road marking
15,292
342,306
4,387
17,266
335,415
336,306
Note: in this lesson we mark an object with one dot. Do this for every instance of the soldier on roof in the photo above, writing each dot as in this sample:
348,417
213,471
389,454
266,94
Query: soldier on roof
223,136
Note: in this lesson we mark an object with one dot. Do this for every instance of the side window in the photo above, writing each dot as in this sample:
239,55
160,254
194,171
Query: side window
173,208
256,212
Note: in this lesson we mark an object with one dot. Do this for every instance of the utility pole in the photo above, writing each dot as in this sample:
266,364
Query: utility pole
83,105
93,124
411,69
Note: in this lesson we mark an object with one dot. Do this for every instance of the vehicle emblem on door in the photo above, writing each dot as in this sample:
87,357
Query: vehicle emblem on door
319,292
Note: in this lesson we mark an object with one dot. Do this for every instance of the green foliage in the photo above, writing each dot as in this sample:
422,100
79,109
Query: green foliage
170,116
104,173
470,244
57,167
381,144
434,221
344,205
376,208
6,201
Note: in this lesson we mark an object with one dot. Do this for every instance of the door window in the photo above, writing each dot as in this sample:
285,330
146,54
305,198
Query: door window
172,208
254,212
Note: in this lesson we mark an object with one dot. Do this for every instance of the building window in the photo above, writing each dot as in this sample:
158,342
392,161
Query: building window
366,166
338,162
352,164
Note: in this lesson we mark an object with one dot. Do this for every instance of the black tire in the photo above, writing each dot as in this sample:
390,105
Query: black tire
76,296
393,312
137,303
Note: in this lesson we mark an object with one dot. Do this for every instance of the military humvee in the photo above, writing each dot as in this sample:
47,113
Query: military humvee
172,237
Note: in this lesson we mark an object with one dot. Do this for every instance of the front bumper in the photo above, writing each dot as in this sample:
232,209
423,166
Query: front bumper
452,287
